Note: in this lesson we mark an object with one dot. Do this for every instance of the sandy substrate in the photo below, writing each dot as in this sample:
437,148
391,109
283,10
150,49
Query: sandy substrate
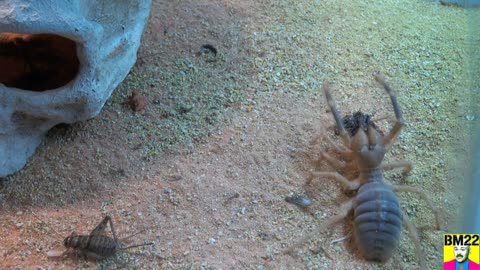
207,166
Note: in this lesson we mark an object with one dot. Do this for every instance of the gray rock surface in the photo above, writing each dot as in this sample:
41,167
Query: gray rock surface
60,61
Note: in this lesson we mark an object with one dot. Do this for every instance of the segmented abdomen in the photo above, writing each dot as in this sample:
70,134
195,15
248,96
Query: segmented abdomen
96,245
377,221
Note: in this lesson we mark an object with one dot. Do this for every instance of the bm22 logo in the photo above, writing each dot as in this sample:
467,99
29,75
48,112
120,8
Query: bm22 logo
461,251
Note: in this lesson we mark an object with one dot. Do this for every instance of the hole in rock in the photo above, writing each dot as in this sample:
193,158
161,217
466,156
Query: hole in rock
37,62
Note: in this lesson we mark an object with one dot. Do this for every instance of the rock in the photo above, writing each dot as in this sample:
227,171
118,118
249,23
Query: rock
65,58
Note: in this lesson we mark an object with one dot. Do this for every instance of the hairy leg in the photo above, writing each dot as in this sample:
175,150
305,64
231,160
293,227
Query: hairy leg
413,233
351,185
436,211
397,127
406,165
344,210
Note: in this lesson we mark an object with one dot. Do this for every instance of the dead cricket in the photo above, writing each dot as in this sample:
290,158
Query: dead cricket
96,245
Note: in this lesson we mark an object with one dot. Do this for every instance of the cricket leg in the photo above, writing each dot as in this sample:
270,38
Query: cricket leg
102,225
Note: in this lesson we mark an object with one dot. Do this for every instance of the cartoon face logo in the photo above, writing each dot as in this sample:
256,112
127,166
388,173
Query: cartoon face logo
461,253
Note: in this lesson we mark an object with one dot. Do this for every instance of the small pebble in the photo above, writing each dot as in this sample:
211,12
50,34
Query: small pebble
211,241
300,200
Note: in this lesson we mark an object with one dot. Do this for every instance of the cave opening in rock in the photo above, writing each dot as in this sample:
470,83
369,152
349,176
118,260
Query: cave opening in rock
37,62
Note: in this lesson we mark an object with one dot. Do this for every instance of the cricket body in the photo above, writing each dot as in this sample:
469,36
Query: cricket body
97,244
378,217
